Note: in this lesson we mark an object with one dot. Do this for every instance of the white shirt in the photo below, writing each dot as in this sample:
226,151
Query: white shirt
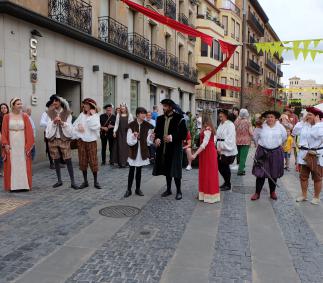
310,136
206,139
270,138
52,129
152,122
131,141
91,125
227,132
33,125
44,120
199,122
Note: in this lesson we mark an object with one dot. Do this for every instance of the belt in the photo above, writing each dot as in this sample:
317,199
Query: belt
220,140
305,148
270,149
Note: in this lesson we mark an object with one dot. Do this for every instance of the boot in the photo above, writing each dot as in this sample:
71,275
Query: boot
168,191
139,192
96,183
179,195
128,193
58,174
71,173
85,184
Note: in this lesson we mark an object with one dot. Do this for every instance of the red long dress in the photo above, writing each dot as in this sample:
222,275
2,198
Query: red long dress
208,172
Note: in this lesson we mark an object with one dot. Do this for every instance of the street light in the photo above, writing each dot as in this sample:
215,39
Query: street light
276,82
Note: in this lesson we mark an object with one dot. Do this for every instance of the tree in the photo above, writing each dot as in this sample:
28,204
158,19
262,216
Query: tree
257,99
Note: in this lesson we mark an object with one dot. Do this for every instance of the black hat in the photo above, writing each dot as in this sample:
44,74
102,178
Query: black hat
54,97
107,105
49,103
168,102
224,111
271,112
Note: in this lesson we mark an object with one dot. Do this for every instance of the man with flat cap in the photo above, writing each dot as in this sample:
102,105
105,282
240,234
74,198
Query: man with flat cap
170,132
107,120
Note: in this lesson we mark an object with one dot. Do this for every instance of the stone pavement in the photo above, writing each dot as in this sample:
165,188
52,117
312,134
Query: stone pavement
57,235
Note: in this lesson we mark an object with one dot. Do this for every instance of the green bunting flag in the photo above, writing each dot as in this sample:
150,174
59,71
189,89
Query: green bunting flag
313,54
316,42
305,53
306,43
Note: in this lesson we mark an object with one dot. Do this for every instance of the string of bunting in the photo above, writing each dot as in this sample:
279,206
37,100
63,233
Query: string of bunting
297,90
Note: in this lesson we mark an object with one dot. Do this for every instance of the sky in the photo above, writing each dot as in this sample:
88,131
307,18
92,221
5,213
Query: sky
298,20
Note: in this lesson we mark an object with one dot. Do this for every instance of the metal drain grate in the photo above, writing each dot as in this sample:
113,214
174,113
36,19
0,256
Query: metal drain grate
243,189
119,211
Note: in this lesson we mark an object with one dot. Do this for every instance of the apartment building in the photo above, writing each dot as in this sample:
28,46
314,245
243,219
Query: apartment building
99,49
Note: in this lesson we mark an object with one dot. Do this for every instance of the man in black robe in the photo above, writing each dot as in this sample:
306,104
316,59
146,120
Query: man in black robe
170,132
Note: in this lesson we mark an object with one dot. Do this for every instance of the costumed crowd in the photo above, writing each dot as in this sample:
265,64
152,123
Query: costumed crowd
162,140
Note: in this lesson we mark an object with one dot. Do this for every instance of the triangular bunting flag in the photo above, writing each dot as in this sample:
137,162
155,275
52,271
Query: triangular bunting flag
305,53
280,51
306,43
316,42
259,47
296,44
313,54
297,51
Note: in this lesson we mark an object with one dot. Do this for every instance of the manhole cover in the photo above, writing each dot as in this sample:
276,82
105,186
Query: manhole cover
243,189
119,211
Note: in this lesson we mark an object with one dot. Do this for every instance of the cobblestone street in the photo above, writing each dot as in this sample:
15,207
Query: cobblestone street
58,235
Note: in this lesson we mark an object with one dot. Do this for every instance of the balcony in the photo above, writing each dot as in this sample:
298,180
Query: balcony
271,83
172,62
229,5
194,2
210,18
256,25
193,74
254,67
139,45
184,69
170,9
75,13
113,32
183,19
158,55
206,94
157,3
271,65
253,47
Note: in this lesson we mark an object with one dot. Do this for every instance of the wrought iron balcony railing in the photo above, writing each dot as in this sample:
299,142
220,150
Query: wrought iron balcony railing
113,32
170,9
210,18
158,55
183,19
272,66
252,19
75,13
271,83
206,94
253,47
254,67
194,2
193,74
172,62
184,69
139,45
229,5
157,3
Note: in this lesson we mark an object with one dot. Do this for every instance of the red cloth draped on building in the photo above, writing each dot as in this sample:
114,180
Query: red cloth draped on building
224,86
170,22
227,49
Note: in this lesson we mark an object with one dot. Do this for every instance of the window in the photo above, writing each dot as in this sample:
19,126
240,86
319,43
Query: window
153,96
232,83
181,99
109,89
237,84
237,60
223,91
215,50
238,32
134,96
233,27
225,24
204,49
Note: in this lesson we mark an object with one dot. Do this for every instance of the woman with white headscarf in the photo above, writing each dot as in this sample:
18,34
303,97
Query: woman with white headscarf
244,135
120,151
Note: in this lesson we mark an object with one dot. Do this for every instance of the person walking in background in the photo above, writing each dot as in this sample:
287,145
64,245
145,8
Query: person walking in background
234,115
169,135
187,147
244,135
28,112
310,157
269,157
292,116
227,148
150,120
59,132
86,129
107,121
208,163
17,143
4,109
151,146
154,114
288,149
120,148
139,137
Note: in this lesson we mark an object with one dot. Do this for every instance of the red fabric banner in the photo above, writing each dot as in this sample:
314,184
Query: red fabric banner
227,49
224,86
170,22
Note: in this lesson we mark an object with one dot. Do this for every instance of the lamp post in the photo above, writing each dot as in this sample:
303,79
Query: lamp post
276,81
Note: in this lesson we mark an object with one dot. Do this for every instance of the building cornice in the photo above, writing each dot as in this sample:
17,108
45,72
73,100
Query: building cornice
21,13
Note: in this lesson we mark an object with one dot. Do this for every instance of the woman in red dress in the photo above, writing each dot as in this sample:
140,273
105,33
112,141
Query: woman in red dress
208,163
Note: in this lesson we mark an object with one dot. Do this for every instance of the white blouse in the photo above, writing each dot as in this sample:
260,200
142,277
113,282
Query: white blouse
91,125
206,139
67,129
310,136
271,138
131,141
226,138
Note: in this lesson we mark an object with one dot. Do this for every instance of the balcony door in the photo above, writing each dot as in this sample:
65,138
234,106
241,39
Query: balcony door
104,8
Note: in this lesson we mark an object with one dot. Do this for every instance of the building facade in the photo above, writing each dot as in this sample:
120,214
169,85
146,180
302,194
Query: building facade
306,92
99,49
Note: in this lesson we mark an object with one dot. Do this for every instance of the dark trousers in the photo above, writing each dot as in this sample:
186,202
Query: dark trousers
104,142
224,168
178,183
47,153
131,176
260,183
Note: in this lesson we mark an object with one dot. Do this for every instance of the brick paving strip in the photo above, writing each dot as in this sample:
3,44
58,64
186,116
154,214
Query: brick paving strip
9,205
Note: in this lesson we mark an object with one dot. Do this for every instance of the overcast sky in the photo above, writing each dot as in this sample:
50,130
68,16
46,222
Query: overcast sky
297,20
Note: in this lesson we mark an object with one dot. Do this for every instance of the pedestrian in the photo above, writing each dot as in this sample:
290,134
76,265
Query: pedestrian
269,157
233,116
208,163
17,143
4,109
198,121
310,157
107,121
120,148
150,120
188,150
152,146
154,114
59,132
86,130
285,121
28,112
244,135
288,149
139,137
169,135
226,147
292,116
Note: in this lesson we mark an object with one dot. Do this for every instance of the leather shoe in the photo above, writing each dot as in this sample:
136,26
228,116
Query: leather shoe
273,195
225,188
127,194
97,186
58,184
222,186
166,193
84,185
139,193
179,196
255,197
74,186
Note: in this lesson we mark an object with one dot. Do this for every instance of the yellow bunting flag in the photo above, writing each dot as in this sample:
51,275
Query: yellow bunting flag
296,44
259,47
316,42
313,54
297,51
306,44
305,53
